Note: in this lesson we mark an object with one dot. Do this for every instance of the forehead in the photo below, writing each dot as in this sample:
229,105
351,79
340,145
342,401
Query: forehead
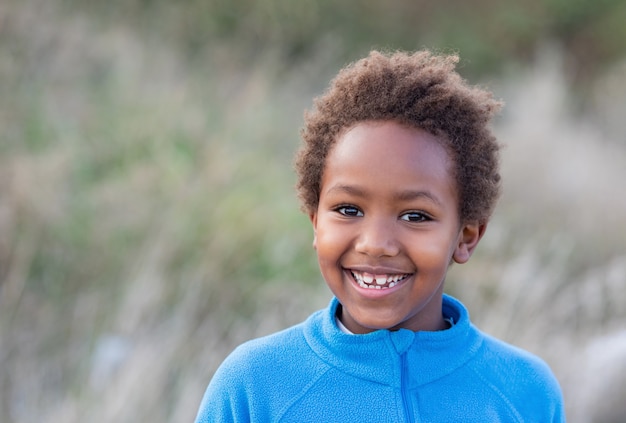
389,156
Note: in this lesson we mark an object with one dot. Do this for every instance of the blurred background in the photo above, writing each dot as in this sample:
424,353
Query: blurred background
148,221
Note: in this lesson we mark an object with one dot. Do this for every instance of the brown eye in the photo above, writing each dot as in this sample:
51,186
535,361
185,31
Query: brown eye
350,211
414,217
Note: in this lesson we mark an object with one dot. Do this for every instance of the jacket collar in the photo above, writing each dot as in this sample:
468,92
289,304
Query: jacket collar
379,356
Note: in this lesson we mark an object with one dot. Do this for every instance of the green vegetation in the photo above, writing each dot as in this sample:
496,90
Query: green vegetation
147,217
490,33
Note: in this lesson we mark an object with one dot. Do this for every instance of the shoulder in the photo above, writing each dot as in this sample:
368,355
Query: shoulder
258,357
284,354
518,377
260,376
510,362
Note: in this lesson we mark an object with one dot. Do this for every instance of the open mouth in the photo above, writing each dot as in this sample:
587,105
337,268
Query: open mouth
370,281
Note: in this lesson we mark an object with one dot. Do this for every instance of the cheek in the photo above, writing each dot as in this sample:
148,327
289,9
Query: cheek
331,242
326,243
329,254
433,253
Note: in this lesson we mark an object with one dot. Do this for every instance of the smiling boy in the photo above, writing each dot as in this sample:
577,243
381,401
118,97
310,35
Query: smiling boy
387,227
399,175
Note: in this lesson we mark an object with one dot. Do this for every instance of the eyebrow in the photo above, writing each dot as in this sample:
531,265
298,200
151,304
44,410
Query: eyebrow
405,195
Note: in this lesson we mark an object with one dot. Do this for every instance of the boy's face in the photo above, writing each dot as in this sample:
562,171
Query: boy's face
387,227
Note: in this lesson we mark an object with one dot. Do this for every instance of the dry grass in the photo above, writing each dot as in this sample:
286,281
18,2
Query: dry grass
149,225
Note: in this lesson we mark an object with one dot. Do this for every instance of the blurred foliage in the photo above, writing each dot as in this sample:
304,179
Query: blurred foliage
146,191
490,33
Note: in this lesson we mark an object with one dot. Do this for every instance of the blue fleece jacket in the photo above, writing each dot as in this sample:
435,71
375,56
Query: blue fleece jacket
313,372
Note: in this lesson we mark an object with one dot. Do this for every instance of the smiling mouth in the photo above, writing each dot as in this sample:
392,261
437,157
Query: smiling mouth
370,281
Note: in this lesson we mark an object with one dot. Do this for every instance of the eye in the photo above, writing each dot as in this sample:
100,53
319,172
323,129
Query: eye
349,211
415,216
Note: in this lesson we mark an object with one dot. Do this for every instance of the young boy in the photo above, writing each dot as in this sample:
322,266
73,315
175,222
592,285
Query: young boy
399,175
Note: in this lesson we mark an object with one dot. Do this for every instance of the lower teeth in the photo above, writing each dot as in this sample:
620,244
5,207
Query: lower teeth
364,285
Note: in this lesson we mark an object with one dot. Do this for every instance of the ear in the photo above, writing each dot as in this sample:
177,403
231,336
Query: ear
313,218
469,236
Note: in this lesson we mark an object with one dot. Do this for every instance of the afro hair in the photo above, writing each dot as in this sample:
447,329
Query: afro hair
420,90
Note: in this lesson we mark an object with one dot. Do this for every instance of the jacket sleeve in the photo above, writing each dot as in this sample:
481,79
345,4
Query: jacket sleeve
559,413
225,399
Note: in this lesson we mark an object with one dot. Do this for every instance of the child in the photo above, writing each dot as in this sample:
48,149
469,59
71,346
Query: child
399,175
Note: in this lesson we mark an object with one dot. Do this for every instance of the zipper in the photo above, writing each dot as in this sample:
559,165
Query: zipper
404,389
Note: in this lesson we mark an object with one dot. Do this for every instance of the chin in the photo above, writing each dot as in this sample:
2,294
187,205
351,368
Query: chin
378,324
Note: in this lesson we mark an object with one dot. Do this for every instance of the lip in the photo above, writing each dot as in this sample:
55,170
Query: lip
376,293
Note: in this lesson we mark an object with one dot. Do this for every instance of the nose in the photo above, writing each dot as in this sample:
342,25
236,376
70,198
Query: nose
377,238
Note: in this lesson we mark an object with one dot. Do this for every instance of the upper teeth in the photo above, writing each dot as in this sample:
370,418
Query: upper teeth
366,279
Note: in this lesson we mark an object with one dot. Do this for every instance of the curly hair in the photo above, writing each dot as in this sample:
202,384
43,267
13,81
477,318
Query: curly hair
420,90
